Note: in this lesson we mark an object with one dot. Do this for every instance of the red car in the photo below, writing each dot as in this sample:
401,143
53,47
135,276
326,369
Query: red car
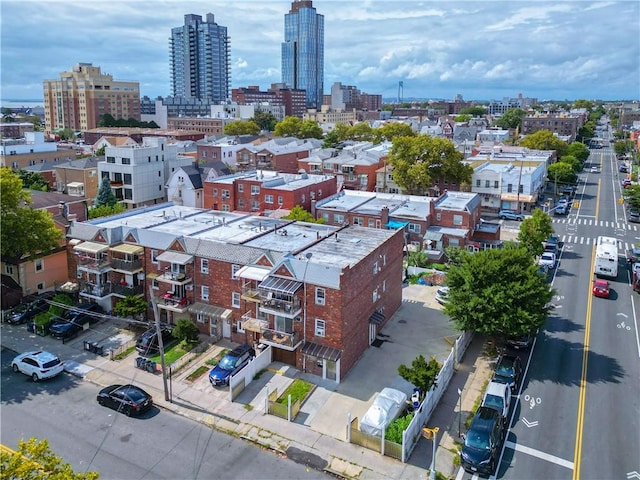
626,183
601,288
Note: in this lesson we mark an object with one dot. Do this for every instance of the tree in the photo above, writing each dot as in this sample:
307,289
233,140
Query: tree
632,196
106,210
512,118
421,160
561,172
339,134
390,131
23,230
101,151
576,165
33,180
421,374
578,150
476,111
289,127
67,134
310,129
300,214
185,330
34,460
534,230
241,127
265,120
105,194
463,117
130,306
362,132
545,140
498,292
107,120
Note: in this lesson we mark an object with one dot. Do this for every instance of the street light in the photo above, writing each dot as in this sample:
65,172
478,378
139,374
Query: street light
308,255
431,434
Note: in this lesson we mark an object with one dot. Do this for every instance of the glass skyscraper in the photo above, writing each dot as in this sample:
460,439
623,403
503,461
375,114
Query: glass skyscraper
303,51
200,59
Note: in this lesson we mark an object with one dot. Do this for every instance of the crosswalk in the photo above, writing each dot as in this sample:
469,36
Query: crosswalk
580,240
597,223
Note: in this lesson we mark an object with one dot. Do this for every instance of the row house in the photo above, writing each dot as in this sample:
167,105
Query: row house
222,149
565,125
428,223
32,149
263,191
355,166
317,294
280,154
78,178
137,134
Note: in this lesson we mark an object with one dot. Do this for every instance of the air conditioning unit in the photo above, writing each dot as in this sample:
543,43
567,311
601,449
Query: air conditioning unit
189,288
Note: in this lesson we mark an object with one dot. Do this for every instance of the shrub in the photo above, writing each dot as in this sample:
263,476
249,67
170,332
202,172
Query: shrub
393,433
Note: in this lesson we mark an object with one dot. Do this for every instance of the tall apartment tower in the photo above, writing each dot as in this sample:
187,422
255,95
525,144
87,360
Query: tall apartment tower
80,97
200,59
303,51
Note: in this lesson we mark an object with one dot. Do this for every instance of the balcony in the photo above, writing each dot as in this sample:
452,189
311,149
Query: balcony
93,263
92,290
126,265
281,306
250,293
126,290
174,278
286,341
173,302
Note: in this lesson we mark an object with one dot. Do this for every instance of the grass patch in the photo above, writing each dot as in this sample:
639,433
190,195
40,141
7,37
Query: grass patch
197,373
214,361
248,407
259,374
125,354
174,352
298,389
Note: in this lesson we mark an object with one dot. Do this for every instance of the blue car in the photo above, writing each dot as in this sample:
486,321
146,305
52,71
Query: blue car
510,215
230,364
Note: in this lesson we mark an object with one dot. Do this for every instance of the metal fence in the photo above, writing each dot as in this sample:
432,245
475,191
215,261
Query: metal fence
288,410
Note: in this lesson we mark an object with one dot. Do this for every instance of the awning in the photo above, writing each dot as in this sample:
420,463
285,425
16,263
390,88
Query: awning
514,197
280,285
321,351
91,247
435,236
153,275
255,325
217,313
253,273
396,225
175,257
377,318
128,249
75,185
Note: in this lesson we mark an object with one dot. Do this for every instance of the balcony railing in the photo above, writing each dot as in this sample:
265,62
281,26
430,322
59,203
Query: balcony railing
176,278
173,302
250,293
93,290
125,290
288,341
92,262
288,308
126,265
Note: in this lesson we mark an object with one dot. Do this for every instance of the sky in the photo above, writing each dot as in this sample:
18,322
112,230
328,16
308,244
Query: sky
482,50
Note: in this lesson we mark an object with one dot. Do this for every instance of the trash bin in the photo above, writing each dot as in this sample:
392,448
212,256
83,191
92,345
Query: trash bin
97,349
87,345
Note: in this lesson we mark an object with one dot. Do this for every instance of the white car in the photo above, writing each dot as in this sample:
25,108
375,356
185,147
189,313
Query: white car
498,397
594,169
442,294
547,259
38,365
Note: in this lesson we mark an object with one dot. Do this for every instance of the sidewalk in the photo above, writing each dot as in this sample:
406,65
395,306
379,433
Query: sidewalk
322,451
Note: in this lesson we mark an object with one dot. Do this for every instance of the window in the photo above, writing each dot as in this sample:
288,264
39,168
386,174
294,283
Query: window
520,188
509,188
8,269
126,161
40,286
358,221
457,219
375,295
268,199
376,268
477,182
235,300
438,216
338,219
128,194
204,292
239,327
496,184
414,227
39,264
241,188
454,242
234,271
154,284
371,223
320,296
111,159
127,178
215,192
384,286
255,190
240,203
200,318
320,327
487,183
280,200
283,324
225,193
204,265
154,256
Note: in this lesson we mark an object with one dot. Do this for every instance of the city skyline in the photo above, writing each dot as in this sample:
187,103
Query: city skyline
481,51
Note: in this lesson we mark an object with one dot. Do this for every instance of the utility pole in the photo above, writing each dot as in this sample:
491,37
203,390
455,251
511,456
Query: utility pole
156,315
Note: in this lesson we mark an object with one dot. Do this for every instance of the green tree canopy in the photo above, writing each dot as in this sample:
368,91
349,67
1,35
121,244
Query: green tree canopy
265,120
33,180
105,194
106,210
545,140
463,117
562,173
498,292
362,132
101,151
632,196
576,165
130,306
578,150
34,460
24,231
512,118
300,214
242,127
185,330
392,130
476,111
534,230
421,374
289,127
418,162
310,129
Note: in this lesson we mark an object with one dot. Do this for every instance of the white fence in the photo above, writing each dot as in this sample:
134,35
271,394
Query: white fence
244,377
421,416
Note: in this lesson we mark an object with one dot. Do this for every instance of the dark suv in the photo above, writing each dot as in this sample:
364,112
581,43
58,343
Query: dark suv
75,320
483,441
230,364
30,308
147,343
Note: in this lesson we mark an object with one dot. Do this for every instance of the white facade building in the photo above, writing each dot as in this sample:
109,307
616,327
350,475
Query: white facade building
138,174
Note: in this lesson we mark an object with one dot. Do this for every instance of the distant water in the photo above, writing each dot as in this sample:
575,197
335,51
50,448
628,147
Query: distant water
11,103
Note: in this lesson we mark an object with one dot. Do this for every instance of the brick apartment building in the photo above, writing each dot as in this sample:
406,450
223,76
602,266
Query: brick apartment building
317,294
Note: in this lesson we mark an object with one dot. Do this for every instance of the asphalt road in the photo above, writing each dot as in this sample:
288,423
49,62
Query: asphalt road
157,445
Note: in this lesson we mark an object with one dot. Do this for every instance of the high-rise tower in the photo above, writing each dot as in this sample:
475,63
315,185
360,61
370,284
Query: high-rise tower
200,59
303,51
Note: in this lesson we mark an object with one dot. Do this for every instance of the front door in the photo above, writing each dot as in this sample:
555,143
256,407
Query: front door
372,333
226,328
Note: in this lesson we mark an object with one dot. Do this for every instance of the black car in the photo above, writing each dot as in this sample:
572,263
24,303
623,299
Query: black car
508,370
521,342
147,343
129,399
74,320
231,363
633,254
483,441
29,309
